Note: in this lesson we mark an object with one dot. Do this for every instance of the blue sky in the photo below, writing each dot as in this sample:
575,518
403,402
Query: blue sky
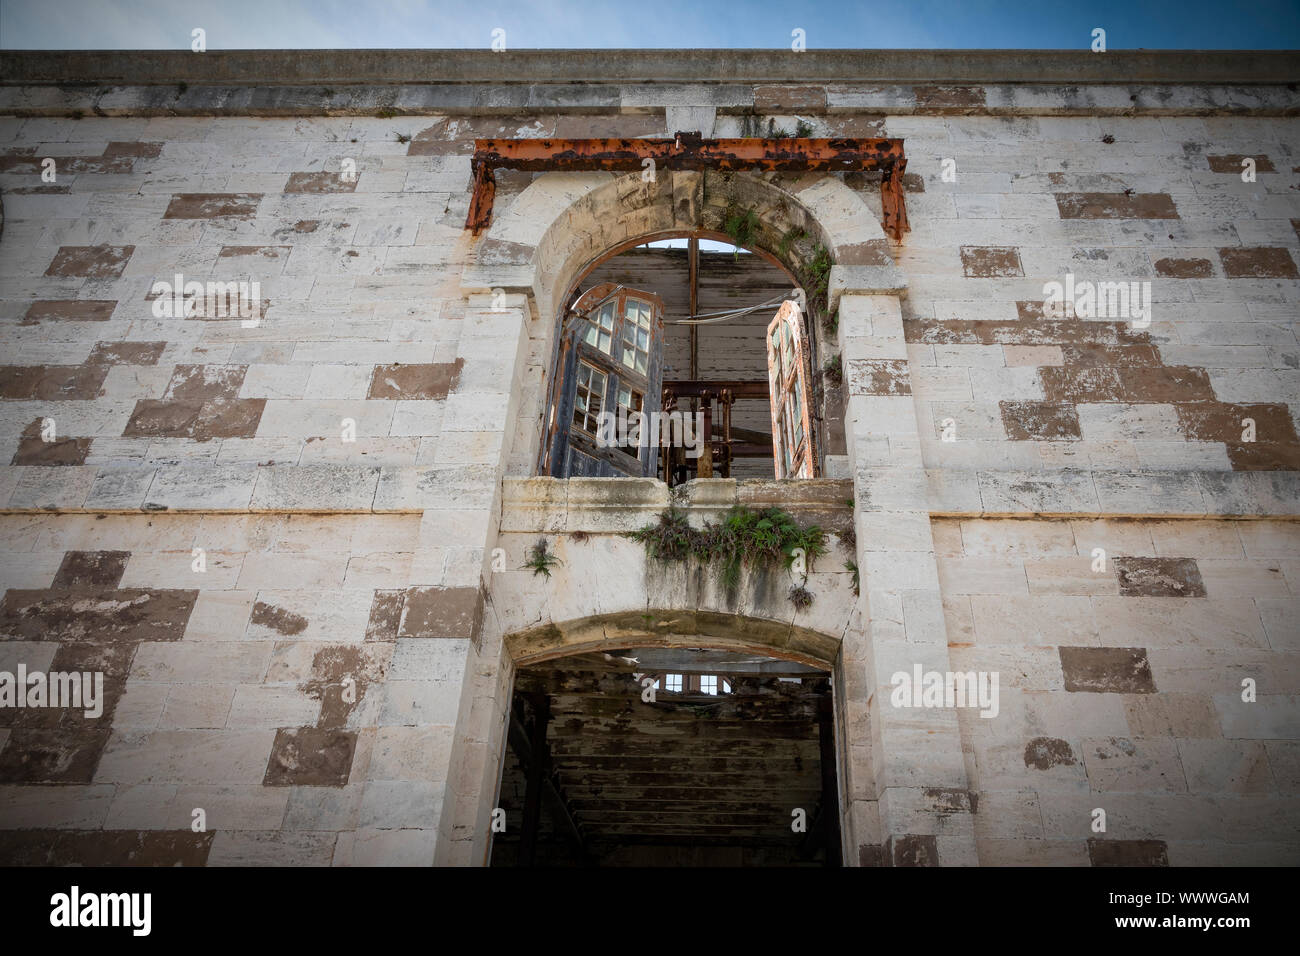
279,24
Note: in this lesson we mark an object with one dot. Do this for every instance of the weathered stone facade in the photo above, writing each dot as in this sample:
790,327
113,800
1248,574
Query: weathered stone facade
276,539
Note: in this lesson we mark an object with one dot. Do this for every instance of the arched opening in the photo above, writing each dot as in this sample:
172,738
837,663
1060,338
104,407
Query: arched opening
735,386
693,749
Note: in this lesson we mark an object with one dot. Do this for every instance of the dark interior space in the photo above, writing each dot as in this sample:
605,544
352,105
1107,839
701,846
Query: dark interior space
732,763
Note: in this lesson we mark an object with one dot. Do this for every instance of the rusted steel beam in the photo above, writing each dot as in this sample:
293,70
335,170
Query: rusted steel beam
688,151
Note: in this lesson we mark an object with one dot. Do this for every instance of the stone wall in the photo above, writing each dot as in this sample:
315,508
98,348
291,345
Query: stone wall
349,461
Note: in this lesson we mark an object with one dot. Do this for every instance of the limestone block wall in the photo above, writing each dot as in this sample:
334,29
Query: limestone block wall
1121,688
347,461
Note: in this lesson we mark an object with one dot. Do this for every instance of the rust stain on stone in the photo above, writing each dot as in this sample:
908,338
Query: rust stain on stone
51,383
950,98
35,450
385,616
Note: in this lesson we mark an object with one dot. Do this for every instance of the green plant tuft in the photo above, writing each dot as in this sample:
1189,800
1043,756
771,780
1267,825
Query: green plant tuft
853,566
802,129
541,560
833,370
741,225
743,537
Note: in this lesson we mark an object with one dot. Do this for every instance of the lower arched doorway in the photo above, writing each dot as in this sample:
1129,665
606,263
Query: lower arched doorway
665,754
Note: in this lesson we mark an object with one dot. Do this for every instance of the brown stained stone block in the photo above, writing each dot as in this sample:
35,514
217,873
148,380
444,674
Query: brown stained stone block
873,253
331,668
949,97
310,757
609,126
28,847
138,150
1165,384
1044,753
878,377
1128,852
90,262
45,189
152,418
131,848
1093,355
234,418
278,619
62,755
263,252
432,381
1107,670
991,261
1115,206
1231,163
320,182
871,854
1036,332
441,612
385,616
1264,456
1295,224
789,99
1159,577
1223,421
1088,385
914,849
113,661
97,616
1040,421
34,450
126,353
855,126
93,569
306,225
1259,262
213,205
51,383
199,383
69,310
1184,268
1035,310
456,135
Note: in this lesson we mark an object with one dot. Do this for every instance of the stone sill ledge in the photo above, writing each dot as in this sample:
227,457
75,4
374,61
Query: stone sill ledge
617,504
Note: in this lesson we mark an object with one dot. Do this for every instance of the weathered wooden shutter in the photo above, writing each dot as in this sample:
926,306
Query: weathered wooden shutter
611,356
790,387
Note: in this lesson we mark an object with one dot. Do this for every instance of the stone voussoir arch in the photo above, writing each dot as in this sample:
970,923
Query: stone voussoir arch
563,223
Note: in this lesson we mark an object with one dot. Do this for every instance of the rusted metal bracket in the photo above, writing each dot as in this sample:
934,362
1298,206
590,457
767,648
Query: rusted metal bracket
687,151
